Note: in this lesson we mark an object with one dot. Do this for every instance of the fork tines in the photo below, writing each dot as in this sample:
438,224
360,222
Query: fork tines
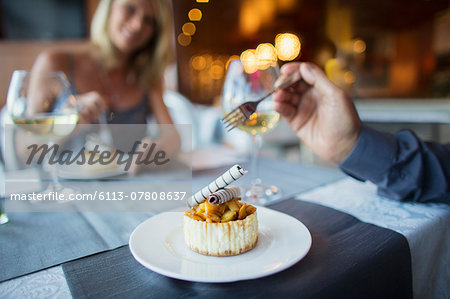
235,118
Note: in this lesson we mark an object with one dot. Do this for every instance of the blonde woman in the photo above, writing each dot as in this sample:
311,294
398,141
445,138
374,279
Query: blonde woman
119,74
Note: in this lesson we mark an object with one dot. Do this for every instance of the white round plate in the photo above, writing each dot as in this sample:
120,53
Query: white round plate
158,244
77,172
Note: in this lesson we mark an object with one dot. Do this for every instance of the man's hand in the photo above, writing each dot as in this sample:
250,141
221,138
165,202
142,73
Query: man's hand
321,114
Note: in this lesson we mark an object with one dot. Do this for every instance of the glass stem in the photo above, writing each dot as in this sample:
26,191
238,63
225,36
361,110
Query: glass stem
3,216
54,180
254,165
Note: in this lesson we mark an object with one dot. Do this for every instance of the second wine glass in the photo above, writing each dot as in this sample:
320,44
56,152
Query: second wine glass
248,81
43,106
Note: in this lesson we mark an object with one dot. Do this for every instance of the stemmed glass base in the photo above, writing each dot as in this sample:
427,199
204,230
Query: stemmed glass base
57,190
257,192
3,219
260,194
54,186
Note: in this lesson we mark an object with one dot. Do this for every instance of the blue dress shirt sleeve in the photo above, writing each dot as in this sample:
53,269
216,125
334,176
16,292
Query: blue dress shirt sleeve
403,167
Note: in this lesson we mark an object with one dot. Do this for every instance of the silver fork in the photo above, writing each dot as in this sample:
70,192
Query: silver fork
241,113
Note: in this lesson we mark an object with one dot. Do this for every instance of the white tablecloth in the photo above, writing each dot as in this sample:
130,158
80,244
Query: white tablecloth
425,226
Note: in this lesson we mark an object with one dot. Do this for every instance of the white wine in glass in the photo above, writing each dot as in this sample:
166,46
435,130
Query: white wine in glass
42,105
48,125
261,122
243,84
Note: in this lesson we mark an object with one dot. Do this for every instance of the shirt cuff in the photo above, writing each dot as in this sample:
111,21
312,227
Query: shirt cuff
372,156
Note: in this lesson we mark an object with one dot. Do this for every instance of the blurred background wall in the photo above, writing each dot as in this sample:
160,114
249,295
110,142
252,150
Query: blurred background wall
43,19
374,49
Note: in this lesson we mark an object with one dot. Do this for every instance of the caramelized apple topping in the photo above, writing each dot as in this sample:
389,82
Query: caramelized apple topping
228,211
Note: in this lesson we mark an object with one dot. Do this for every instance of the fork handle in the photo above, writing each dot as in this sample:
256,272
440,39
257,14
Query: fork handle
289,80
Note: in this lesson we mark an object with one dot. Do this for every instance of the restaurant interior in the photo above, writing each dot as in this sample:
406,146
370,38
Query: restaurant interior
321,233
391,57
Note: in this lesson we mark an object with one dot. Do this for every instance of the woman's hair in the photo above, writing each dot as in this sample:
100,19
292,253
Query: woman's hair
147,64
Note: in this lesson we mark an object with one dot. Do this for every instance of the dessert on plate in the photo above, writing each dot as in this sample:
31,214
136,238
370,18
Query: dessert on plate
92,163
221,225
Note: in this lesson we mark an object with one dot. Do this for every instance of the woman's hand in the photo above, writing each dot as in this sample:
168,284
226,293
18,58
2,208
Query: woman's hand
91,106
320,113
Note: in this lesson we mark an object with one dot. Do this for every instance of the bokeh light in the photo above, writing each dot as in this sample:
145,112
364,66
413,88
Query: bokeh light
217,69
195,14
232,57
266,55
339,74
287,46
249,19
198,62
249,61
349,77
260,58
359,46
334,71
184,40
266,9
188,28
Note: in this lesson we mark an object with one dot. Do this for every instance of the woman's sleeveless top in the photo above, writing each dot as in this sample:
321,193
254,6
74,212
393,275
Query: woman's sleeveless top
123,136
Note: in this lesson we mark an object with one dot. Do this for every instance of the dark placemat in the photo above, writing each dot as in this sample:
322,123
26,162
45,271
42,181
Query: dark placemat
35,241
30,242
348,259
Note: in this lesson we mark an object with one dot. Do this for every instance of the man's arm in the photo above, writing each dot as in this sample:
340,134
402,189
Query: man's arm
325,119
402,166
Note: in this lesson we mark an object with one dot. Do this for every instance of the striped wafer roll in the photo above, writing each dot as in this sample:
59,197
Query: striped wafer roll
223,195
228,177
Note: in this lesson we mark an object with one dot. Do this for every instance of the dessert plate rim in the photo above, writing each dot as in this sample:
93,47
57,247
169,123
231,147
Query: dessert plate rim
158,244
75,172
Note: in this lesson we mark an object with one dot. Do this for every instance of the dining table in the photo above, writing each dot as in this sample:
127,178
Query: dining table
362,245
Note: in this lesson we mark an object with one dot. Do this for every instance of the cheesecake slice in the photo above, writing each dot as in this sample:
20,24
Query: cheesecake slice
227,229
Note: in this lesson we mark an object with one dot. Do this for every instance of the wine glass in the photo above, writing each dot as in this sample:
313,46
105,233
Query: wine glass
248,81
3,217
43,106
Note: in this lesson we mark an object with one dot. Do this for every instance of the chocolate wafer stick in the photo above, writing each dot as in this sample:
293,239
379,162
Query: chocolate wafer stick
228,177
223,195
